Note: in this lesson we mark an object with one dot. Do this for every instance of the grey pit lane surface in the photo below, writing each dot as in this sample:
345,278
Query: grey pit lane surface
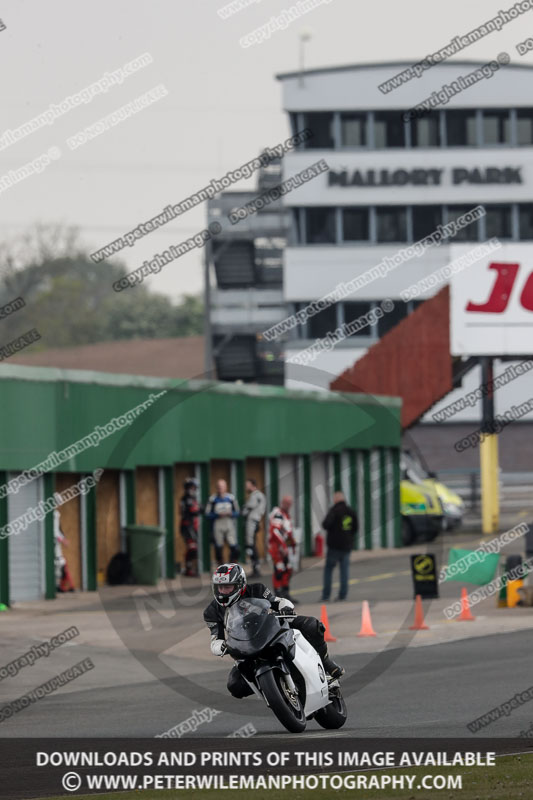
431,691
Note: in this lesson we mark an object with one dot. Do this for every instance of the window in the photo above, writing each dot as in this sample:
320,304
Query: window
391,318
391,224
320,225
355,225
352,312
461,128
426,219
469,233
526,220
296,225
425,132
354,130
389,129
524,126
498,222
322,323
321,126
496,127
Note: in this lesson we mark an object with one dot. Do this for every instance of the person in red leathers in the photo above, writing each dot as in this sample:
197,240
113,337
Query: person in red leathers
280,542
190,511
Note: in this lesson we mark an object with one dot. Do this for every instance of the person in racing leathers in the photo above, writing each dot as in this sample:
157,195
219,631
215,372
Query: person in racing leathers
222,509
229,585
190,511
280,541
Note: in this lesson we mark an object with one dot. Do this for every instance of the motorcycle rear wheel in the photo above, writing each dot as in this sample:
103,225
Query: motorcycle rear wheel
286,707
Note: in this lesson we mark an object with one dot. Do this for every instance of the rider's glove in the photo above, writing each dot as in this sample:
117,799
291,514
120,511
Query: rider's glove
280,566
218,646
285,606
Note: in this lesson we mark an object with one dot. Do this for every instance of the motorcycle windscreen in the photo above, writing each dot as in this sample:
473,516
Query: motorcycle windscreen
250,626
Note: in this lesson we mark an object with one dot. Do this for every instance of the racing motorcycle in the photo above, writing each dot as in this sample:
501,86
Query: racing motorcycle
281,667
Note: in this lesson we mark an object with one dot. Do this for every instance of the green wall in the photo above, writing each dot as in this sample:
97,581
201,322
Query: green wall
49,409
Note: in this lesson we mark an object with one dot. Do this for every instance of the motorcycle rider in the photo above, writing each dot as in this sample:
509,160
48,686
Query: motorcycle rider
229,585
190,511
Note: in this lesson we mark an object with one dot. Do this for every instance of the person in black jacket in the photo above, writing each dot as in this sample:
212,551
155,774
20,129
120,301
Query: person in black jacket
341,525
229,585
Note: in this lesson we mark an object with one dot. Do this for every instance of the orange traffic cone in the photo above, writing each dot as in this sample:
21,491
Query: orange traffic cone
366,622
466,614
419,624
328,636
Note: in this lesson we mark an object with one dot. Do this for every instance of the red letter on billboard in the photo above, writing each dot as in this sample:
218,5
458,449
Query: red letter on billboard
501,291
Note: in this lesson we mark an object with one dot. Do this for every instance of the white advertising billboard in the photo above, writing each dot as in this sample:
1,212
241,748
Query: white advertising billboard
491,302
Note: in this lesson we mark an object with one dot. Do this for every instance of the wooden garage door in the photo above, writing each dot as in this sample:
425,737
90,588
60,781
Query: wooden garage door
220,469
147,496
70,520
255,468
181,472
107,518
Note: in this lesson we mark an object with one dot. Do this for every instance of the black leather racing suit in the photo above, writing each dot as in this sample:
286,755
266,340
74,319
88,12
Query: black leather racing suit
312,629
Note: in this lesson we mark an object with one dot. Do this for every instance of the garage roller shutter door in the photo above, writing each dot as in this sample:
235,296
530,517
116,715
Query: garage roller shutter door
26,550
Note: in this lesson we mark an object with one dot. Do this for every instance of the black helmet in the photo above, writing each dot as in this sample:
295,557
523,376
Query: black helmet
229,583
190,483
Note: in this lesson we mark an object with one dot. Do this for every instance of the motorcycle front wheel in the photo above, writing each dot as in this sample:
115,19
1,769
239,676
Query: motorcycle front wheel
285,704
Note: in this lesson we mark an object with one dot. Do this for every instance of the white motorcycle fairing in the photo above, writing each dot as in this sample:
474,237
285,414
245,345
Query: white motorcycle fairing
309,665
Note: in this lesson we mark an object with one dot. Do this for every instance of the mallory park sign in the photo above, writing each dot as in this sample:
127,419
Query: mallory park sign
424,177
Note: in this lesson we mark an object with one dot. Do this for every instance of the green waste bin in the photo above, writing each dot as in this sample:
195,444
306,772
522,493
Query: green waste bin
144,548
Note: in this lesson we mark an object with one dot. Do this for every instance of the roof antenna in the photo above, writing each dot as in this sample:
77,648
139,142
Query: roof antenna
304,37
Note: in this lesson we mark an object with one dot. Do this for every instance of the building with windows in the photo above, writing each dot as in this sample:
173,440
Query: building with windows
394,177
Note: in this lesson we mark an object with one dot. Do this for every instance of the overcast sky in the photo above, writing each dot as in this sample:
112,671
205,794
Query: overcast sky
223,104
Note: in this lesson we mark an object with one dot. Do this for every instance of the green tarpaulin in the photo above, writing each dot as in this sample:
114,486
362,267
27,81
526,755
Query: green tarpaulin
471,566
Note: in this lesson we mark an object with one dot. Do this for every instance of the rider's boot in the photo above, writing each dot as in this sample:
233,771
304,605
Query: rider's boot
331,667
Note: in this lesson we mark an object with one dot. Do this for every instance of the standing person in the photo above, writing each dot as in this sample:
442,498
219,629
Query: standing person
190,511
254,511
279,542
341,525
64,582
222,509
